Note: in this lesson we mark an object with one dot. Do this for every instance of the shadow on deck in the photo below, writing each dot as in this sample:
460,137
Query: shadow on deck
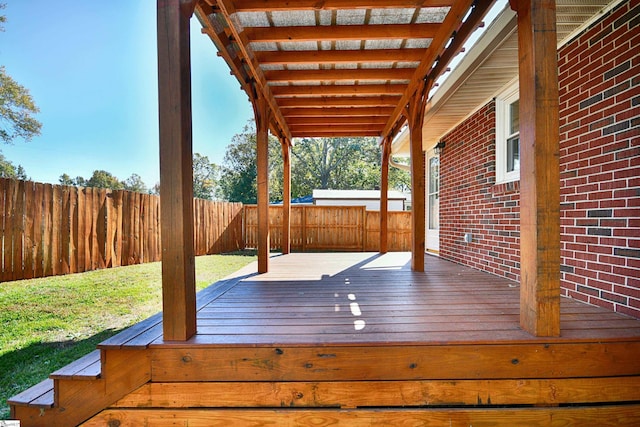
357,339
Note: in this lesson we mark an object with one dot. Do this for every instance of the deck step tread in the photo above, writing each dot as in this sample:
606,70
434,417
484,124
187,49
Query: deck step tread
149,330
120,340
86,368
40,395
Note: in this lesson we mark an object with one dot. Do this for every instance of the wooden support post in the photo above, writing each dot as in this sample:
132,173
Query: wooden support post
384,196
286,197
539,168
415,118
262,115
176,170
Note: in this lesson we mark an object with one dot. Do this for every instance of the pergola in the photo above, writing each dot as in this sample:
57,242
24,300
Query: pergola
353,68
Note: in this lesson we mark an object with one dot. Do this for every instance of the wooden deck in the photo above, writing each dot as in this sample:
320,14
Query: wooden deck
359,339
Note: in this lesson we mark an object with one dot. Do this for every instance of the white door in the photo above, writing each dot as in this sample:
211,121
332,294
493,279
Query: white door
433,202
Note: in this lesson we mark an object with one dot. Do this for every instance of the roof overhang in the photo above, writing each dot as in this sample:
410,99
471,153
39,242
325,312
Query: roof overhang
490,66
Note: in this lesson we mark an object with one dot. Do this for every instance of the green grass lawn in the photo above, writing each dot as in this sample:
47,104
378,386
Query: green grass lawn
49,322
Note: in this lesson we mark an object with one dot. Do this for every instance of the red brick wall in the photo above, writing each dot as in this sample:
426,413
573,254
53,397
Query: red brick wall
470,202
599,81
599,77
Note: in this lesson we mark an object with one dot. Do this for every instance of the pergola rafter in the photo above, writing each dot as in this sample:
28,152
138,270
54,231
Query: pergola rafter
338,56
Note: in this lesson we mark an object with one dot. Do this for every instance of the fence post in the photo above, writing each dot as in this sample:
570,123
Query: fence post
303,228
364,228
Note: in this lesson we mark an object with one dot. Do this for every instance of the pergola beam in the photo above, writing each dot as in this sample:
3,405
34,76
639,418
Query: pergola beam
331,90
329,112
275,5
343,101
370,129
339,75
333,134
340,32
343,120
339,56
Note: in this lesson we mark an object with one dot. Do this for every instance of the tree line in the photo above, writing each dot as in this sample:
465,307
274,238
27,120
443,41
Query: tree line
316,163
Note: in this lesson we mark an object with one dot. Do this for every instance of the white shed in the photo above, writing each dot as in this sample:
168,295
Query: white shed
368,198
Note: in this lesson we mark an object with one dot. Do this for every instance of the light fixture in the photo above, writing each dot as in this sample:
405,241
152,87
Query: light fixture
439,147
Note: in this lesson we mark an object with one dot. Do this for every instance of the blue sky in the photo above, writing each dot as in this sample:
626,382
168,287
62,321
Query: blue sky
91,69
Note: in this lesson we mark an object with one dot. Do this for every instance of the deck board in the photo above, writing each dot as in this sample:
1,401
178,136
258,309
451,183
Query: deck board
368,298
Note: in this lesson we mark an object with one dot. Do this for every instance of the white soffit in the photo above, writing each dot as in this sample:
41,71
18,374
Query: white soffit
490,65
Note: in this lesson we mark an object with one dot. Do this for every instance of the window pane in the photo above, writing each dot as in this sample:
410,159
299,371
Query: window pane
434,174
434,212
514,117
513,154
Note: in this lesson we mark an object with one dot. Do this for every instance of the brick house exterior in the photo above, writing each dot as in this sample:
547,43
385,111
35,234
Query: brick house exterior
599,87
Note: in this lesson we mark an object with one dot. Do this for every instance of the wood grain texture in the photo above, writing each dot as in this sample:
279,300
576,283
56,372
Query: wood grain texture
415,119
384,196
262,117
353,394
330,228
176,171
627,415
539,168
286,198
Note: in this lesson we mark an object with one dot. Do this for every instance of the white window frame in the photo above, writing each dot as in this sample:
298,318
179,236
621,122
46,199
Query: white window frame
503,123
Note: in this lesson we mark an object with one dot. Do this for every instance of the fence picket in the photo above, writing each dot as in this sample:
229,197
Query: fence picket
56,225
38,233
18,232
116,224
65,230
47,203
73,229
79,224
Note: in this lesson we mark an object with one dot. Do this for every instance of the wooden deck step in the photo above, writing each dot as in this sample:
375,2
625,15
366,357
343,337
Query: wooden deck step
86,368
39,396
142,334
131,337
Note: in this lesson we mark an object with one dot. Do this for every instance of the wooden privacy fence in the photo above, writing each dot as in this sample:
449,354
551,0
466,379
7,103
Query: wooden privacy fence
330,228
51,229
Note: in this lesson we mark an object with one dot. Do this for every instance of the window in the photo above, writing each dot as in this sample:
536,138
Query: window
434,188
508,136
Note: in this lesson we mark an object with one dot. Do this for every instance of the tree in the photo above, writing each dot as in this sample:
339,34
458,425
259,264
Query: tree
336,163
205,177
16,106
399,179
16,111
9,170
65,179
99,179
239,169
104,179
135,183
317,163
